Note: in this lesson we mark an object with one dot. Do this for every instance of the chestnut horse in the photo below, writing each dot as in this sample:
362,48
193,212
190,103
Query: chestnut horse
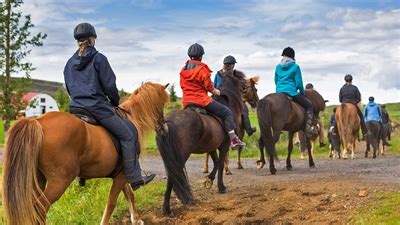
43,156
348,124
249,94
276,113
187,131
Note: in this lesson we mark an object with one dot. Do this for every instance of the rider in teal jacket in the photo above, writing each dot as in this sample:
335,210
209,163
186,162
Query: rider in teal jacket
288,80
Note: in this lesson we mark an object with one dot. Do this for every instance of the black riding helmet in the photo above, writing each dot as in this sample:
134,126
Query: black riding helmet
309,86
371,99
229,60
348,78
289,52
195,50
84,31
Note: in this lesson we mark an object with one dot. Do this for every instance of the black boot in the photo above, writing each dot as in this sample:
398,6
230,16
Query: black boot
251,131
145,180
81,181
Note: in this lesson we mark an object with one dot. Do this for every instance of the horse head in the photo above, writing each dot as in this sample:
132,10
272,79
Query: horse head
249,91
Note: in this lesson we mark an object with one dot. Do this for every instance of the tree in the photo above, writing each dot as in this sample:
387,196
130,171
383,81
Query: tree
172,93
62,98
15,40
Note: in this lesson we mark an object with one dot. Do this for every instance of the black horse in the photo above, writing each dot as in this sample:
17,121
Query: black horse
374,138
276,113
187,131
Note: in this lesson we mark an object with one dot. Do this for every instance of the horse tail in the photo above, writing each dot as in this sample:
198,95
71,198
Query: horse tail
265,124
167,142
22,194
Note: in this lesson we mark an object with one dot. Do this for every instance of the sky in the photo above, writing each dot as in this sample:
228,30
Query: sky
147,40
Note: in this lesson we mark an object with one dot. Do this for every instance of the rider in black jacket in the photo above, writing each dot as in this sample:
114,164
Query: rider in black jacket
349,93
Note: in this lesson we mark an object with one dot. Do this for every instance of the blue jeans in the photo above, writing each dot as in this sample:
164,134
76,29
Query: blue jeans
222,112
129,146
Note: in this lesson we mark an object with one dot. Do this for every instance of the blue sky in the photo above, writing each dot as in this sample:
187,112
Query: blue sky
147,40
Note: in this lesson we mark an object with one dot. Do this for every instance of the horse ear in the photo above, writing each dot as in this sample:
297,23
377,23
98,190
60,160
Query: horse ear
254,79
165,86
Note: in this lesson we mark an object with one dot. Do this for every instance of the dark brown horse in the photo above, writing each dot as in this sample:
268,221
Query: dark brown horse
276,113
249,94
185,132
44,155
348,124
374,138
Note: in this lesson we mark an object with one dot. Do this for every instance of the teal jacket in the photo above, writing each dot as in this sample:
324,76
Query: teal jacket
288,78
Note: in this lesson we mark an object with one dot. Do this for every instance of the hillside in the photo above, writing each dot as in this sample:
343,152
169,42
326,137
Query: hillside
41,86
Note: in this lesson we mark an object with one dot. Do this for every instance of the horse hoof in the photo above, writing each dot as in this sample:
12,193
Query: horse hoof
273,172
260,165
208,183
167,212
139,222
205,170
228,173
312,165
222,190
240,167
289,167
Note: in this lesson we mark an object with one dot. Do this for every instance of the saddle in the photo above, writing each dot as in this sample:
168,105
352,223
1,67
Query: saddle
87,117
200,110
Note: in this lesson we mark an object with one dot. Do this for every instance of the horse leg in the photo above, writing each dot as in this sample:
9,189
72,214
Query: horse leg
118,184
210,178
205,165
367,148
54,189
310,155
261,162
167,198
222,154
239,163
290,149
226,164
135,219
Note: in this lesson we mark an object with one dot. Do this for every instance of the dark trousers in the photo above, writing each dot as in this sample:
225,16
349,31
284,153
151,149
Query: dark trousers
222,112
129,149
303,101
246,119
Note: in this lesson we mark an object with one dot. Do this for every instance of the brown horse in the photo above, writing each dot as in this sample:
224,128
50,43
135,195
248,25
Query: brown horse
275,113
187,131
348,124
249,94
44,155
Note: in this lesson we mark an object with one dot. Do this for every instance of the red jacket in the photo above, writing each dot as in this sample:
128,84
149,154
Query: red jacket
196,83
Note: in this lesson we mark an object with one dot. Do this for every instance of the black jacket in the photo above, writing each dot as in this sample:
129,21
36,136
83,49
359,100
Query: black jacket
349,94
90,83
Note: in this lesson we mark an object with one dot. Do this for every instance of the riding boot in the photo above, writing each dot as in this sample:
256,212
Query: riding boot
246,122
311,130
133,172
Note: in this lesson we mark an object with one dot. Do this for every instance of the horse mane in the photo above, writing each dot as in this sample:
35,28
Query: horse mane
231,81
145,107
316,99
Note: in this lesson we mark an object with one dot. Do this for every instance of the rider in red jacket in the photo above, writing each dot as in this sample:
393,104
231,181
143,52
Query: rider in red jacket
196,83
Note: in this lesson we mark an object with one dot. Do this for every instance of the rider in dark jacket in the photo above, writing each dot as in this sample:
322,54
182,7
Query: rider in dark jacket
349,93
90,82
229,65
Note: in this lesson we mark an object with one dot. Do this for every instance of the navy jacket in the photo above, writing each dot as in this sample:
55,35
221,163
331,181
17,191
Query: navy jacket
349,94
90,83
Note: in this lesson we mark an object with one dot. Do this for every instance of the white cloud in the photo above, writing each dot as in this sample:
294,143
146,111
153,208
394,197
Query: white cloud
329,42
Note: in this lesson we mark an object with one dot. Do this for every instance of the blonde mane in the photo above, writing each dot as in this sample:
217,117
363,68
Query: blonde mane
145,106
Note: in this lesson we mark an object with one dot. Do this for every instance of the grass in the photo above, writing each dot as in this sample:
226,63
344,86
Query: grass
1,132
85,205
382,208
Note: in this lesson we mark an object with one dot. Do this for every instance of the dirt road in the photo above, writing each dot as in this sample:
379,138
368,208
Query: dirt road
327,194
